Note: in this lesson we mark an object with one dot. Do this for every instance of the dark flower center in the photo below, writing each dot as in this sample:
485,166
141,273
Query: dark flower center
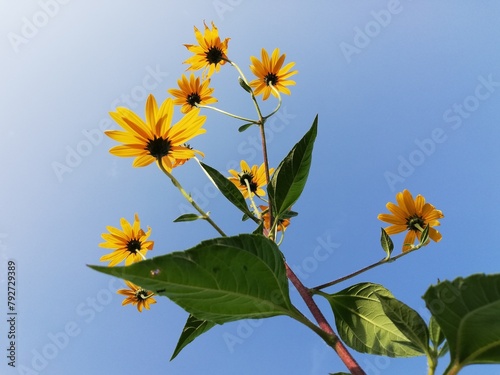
133,246
271,78
158,147
415,223
193,99
247,176
214,55
142,294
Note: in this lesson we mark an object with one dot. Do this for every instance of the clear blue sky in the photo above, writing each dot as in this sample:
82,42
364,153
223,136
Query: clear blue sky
408,96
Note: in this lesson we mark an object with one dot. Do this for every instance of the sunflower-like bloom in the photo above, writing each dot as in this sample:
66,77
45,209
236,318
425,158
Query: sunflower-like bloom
413,216
155,138
255,176
282,223
137,296
210,53
271,72
192,93
179,162
130,243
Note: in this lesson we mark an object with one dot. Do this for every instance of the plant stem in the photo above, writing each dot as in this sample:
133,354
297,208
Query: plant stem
227,113
376,264
336,344
453,369
431,364
176,183
268,177
278,106
325,330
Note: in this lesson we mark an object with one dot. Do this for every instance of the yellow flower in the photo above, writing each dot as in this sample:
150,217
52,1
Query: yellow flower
256,177
130,244
179,162
137,296
192,93
155,138
270,72
413,216
282,224
210,53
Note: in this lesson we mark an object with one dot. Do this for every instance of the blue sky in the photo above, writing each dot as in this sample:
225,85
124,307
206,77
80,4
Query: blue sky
408,96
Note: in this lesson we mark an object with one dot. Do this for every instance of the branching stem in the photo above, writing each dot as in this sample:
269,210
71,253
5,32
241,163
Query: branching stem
335,343
188,197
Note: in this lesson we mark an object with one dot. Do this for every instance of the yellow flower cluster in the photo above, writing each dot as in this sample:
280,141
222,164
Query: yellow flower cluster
155,139
130,244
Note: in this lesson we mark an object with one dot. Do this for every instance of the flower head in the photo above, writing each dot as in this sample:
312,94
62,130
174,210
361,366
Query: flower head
270,71
130,243
282,223
210,53
155,138
255,177
412,215
192,93
179,162
137,296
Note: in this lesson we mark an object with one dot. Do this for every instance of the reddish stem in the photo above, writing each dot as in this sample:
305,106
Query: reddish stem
337,345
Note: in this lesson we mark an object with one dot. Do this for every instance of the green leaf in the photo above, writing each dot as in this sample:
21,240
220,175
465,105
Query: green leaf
228,189
444,349
220,280
244,85
193,328
435,333
187,217
289,214
363,325
468,311
408,321
259,229
242,128
289,179
386,243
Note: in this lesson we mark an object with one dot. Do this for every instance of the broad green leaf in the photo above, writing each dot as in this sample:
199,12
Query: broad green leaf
290,177
187,217
220,280
386,243
468,312
408,321
193,328
363,325
228,189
